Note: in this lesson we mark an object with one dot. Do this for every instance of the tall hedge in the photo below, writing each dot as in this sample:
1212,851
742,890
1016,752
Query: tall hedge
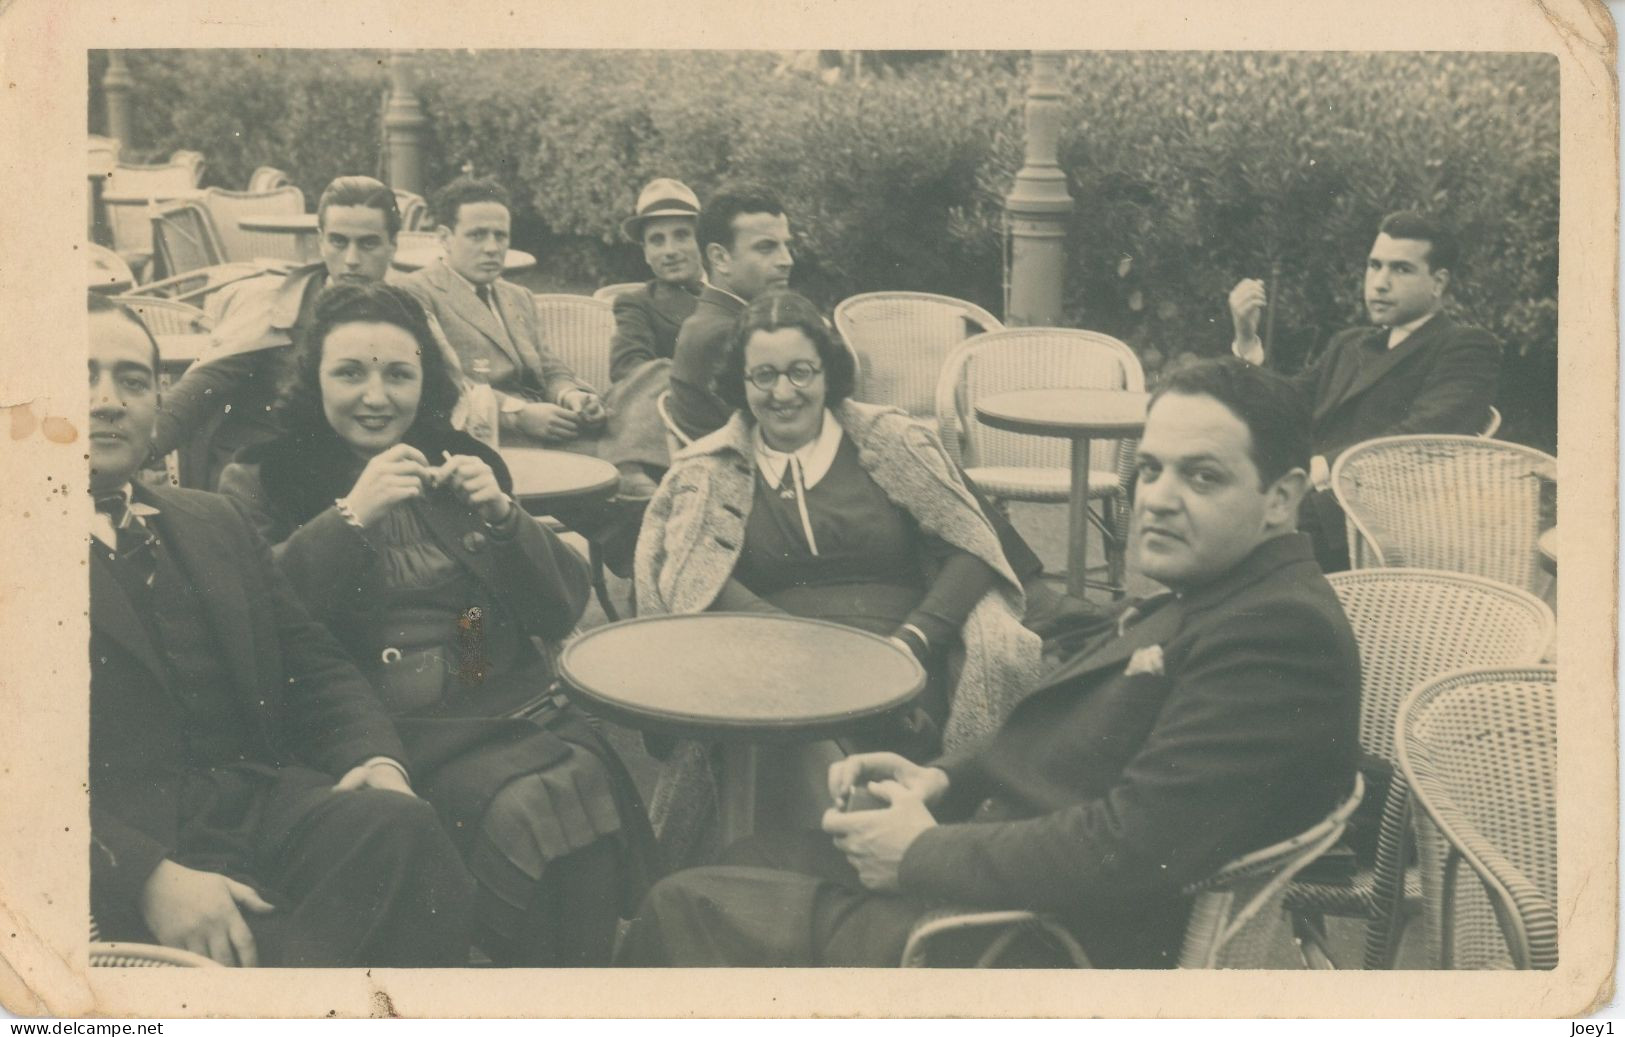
1190,169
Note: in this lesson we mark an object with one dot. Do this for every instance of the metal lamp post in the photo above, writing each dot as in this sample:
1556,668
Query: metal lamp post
404,125
1039,206
116,84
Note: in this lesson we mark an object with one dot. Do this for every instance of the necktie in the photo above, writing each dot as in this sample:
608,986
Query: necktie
484,292
135,540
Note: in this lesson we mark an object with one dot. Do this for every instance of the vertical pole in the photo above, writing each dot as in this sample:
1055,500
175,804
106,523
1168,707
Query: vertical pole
404,125
116,84
1039,206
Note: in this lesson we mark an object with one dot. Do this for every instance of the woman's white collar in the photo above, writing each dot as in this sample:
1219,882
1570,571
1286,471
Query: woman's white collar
815,457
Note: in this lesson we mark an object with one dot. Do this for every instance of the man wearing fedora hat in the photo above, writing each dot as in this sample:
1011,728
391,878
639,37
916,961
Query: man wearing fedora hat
647,317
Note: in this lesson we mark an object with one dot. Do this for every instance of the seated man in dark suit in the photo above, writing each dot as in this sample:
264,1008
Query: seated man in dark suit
246,796
223,403
1414,371
1202,725
648,318
745,242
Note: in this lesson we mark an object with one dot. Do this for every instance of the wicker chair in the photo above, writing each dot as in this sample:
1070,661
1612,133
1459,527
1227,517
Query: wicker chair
108,270
1412,625
1492,426
902,340
130,221
1460,503
167,316
578,329
227,207
676,438
414,209
146,955
184,239
267,178
1009,466
1236,921
1479,748
610,291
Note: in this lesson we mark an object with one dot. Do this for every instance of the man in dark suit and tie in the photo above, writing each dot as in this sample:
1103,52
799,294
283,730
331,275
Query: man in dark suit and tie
1413,371
745,241
1196,727
248,800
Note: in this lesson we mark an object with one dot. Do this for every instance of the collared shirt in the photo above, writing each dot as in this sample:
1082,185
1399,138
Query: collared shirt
101,524
724,291
1400,332
475,290
814,457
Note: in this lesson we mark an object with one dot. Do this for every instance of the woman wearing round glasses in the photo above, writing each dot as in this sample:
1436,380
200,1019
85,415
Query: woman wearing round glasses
397,532
809,503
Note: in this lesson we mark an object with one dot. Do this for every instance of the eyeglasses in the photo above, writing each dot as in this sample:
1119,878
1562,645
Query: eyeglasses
801,374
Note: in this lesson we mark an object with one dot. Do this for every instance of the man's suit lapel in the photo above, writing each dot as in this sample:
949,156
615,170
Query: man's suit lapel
205,557
520,313
112,613
1158,628
1371,373
467,307
670,304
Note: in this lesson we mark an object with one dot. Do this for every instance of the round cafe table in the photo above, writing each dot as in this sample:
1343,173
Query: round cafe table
739,679
543,479
1079,415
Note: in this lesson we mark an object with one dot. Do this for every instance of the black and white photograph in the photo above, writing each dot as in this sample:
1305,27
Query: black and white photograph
1079,502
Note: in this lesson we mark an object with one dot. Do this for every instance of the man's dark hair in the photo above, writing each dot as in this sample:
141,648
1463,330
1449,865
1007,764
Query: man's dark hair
361,191
716,224
300,408
1411,225
770,311
1275,412
96,302
466,190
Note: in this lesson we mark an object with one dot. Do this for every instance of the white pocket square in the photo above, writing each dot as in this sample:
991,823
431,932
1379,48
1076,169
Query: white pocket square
1146,660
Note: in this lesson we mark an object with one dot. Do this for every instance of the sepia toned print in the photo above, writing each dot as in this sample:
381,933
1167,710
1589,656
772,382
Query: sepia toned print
1174,433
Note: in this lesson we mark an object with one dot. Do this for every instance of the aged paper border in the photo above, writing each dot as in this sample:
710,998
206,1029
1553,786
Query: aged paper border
43,507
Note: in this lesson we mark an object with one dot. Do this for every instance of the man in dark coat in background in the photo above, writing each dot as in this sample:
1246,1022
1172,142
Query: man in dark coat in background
1413,371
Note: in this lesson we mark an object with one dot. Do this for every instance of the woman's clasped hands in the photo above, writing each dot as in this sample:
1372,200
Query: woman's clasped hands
402,473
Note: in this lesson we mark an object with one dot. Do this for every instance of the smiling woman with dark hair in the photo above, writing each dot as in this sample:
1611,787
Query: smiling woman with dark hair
811,504
399,533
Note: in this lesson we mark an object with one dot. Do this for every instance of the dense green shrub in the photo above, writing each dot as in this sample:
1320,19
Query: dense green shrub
1190,169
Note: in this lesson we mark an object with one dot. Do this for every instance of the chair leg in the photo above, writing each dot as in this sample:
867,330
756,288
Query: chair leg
1309,933
600,587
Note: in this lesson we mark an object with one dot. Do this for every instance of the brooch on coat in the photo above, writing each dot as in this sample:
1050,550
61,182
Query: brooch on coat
1146,660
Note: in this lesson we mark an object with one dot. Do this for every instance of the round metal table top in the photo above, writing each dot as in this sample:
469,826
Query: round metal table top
542,476
288,222
1066,412
722,674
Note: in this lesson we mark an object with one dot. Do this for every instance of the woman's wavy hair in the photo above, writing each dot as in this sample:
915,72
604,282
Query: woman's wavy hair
300,407
771,311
